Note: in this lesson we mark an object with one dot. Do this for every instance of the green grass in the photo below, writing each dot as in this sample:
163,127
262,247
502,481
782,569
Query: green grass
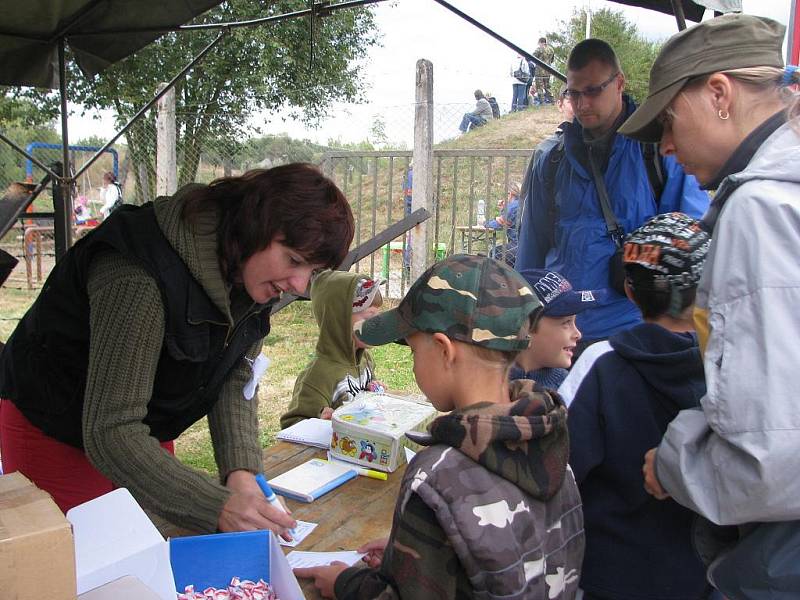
290,346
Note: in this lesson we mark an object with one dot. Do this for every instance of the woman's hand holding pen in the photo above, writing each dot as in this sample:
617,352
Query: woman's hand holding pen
247,509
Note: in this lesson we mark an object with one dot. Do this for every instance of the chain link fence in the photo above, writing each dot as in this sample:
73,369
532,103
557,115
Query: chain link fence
203,156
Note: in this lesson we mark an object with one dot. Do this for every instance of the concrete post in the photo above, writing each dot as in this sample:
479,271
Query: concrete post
421,239
166,156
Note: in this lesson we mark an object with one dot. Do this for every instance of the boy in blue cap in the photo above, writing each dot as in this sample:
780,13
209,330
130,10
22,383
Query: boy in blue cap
555,334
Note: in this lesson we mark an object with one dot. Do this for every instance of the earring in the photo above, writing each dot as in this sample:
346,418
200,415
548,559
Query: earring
723,114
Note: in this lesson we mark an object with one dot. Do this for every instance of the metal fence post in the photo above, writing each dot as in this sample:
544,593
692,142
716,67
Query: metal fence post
423,165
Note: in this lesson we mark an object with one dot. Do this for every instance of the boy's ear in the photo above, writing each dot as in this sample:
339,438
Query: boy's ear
444,347
629,291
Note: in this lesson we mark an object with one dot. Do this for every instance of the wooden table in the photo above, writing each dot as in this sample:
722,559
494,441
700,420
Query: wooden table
354,513
474,237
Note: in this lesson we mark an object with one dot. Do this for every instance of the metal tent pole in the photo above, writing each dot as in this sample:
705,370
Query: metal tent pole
62,198
677,9
501,39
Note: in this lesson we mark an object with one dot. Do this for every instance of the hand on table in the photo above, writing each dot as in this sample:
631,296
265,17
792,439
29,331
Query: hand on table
324,577
373,552
651,484
247,509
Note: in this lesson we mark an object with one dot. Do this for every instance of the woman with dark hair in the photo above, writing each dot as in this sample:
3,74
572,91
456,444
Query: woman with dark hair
153,321
721,101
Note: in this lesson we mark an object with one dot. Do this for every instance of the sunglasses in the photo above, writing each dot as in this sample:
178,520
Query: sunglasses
593,91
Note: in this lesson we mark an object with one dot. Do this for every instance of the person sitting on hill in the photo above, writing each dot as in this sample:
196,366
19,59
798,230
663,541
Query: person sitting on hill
493,103
479,116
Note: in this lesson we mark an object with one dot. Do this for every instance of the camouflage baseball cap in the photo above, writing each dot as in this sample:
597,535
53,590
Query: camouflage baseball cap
471,299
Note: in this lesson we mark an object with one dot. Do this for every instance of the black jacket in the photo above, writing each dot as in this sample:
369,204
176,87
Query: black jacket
44,364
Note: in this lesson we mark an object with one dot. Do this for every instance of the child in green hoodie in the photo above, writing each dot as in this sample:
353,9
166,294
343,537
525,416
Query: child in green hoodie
341,366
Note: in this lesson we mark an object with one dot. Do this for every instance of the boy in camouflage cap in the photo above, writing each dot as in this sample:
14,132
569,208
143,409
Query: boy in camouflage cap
489,509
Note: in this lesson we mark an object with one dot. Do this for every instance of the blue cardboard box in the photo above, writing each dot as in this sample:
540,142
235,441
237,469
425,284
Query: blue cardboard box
212,560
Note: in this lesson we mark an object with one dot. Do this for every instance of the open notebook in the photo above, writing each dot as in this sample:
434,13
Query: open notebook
312,479
311,432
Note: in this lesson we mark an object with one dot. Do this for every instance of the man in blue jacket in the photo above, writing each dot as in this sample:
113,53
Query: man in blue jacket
562,226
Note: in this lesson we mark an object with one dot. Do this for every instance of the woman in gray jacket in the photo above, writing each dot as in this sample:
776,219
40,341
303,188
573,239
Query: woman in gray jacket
721,101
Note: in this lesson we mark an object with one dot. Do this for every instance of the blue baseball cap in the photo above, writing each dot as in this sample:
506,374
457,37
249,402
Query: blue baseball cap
557,295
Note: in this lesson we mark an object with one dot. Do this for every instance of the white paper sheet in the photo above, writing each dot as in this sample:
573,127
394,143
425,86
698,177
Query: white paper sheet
300,533
409,454
297,558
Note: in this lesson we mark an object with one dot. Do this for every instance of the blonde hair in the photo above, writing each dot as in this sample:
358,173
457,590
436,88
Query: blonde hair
767,80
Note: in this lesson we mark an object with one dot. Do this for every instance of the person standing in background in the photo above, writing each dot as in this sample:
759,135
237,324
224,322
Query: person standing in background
563,227
720,102
112,194
520,80
545,53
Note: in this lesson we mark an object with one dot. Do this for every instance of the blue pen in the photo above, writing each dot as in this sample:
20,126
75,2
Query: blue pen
271,497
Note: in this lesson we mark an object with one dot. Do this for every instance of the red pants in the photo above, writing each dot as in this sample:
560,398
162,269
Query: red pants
57,468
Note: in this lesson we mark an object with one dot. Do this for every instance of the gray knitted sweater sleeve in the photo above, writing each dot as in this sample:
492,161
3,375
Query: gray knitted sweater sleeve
126,332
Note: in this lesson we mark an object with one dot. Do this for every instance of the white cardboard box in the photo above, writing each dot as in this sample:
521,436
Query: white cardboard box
115,538
124,588
370,430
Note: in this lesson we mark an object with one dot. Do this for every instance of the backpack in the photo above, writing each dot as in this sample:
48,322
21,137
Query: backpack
520,74
532,68
653,162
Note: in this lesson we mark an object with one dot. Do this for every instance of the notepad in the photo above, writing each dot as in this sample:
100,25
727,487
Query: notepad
312,479
311,432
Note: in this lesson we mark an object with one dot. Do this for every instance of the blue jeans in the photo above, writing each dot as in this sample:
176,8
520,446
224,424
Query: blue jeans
518,101
470,121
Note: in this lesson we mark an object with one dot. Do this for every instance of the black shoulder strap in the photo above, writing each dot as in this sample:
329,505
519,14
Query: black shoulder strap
615,231
653,162
549,178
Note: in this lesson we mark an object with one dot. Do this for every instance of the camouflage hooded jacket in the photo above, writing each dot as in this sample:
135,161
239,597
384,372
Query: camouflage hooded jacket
490,510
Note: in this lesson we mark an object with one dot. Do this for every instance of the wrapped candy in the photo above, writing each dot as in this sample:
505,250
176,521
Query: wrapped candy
238,589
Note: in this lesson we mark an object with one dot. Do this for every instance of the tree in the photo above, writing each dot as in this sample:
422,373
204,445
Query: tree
23,122
253,70
636,54
377,131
